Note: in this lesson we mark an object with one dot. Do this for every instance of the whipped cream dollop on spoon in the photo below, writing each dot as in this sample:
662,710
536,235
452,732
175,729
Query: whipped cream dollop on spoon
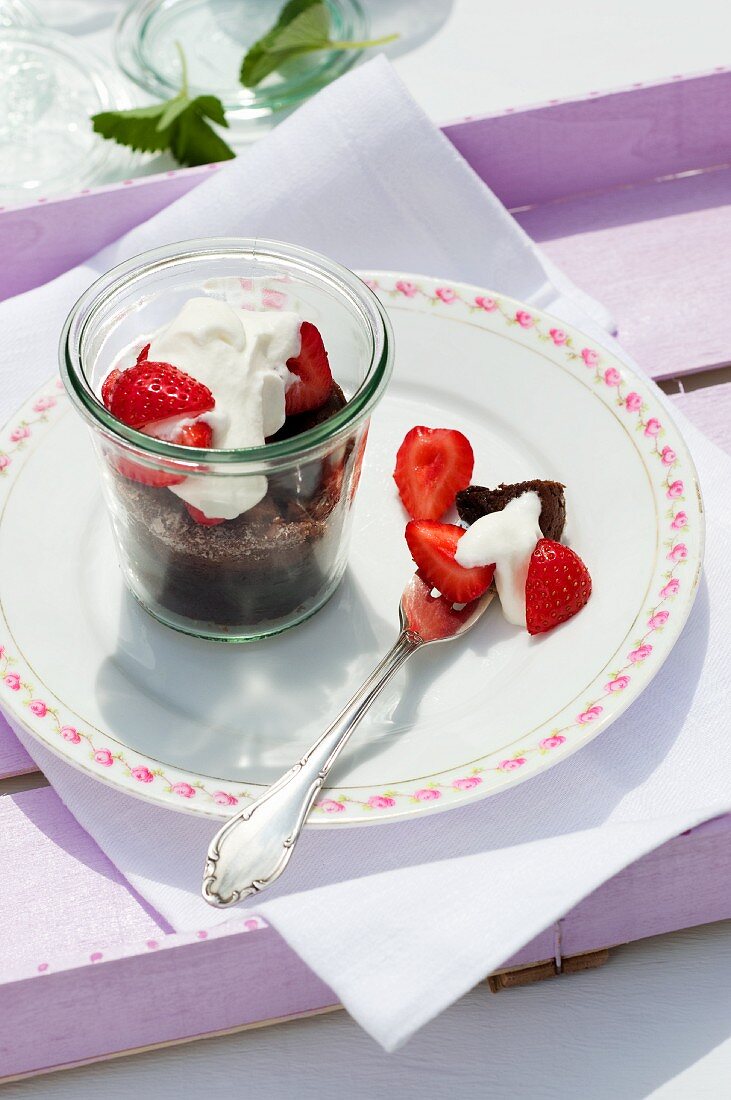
506,539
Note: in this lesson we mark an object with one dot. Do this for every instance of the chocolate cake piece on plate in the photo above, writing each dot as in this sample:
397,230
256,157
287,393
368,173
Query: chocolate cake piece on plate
476,501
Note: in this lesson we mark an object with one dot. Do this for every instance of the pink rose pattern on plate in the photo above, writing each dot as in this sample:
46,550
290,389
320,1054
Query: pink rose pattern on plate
101,757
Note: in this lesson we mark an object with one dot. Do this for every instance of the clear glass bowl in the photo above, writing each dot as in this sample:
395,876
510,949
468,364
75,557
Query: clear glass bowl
215,35
49,87
276,564
16,13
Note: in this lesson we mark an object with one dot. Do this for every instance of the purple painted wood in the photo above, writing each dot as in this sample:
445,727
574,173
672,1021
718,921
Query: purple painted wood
59,892
51,236
14,760
548,152
710,409
54,1019
684,883
528,157
173,990
656,256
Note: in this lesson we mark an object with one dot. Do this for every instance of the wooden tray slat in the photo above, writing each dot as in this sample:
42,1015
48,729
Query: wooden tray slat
656,243
14,760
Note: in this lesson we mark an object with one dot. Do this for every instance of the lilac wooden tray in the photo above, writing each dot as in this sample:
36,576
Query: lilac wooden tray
629,192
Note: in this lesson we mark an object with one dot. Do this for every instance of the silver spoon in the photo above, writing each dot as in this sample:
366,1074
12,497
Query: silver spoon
253,848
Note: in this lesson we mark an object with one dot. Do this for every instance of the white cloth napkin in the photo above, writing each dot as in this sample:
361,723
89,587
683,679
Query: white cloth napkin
403,919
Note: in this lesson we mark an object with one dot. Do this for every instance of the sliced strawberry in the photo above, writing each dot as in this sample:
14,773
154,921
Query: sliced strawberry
149,392
144,475
313,372
201,517
432,466
197,434
142,357
557,586
108,386
430,616
433,546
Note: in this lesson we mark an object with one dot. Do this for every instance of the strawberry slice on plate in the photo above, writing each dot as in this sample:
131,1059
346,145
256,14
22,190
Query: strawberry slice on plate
433,546
314,377
149,392
558,585
432,466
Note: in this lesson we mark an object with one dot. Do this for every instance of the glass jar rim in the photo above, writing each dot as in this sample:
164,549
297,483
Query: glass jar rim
305,445
252,103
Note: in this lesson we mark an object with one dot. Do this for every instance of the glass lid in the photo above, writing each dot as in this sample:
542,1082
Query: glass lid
50,85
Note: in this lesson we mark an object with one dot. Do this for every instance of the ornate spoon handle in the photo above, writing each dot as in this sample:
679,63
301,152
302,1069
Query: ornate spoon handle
252,849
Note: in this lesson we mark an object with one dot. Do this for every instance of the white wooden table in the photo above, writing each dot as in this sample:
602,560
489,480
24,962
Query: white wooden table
656,1021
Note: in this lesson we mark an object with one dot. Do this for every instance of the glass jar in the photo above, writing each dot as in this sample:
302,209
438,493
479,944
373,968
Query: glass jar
50,84
278,562
214,36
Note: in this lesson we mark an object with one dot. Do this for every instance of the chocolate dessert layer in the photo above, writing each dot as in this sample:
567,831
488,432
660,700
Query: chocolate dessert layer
257,568
245,573
476,501
295,425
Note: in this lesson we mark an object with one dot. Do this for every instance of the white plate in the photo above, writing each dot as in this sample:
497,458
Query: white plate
201,727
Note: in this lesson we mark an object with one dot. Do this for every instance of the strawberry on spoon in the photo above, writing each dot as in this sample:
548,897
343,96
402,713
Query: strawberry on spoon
433,546
432,466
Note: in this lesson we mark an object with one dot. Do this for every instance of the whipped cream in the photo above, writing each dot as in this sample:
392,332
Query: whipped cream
507,540
241,356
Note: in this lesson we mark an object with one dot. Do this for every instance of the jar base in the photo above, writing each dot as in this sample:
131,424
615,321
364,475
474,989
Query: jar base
213,633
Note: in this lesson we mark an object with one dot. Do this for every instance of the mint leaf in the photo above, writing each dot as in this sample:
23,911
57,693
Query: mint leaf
303,27
137,128
193,141
179,125
257,63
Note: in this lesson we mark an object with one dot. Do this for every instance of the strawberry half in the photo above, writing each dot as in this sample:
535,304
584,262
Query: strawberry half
197,434
108,386
557,586
149,392
432,466
313,372
144,475
114,375
433,546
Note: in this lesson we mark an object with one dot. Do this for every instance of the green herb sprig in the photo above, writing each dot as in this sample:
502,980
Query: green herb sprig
179,125
303,27
182,125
